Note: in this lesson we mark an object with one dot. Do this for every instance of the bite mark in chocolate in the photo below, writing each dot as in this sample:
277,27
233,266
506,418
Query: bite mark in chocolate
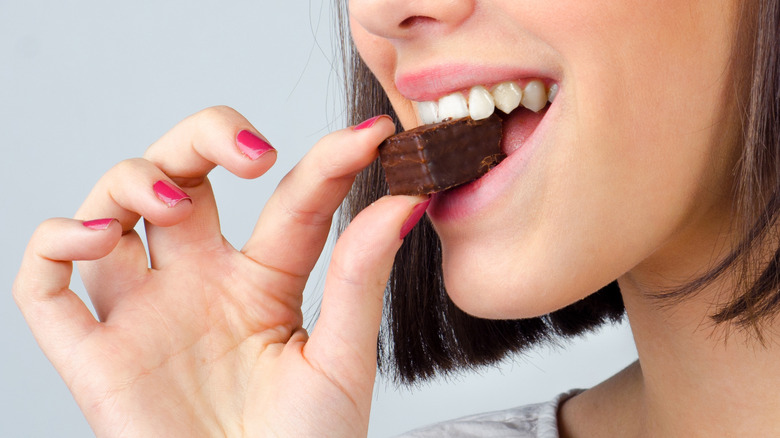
436,157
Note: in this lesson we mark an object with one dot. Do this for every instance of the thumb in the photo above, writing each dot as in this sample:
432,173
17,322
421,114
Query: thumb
343,343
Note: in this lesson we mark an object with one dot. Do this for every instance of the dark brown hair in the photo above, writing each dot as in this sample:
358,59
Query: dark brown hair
425,333
755,259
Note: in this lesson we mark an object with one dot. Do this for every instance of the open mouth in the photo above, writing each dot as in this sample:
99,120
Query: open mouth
465,150
520,105
479,103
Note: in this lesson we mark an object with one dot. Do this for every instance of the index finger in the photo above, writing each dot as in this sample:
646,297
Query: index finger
294,225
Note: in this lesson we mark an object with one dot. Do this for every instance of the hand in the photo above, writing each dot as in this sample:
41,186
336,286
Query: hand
209,340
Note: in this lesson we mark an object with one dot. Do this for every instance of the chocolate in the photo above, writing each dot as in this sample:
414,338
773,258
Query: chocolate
436,157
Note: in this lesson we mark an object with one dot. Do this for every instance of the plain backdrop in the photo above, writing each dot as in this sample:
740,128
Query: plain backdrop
85,84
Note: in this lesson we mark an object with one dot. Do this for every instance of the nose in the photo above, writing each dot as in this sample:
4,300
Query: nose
397,19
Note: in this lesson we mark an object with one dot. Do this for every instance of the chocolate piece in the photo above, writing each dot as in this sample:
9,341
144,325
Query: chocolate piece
436,157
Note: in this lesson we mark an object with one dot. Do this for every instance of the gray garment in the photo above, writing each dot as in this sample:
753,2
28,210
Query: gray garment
533,421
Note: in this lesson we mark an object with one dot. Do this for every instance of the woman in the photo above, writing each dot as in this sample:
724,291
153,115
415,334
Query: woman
628,174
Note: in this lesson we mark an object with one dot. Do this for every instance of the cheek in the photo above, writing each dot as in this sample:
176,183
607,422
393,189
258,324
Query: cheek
650,111
645,128
380,57
636,161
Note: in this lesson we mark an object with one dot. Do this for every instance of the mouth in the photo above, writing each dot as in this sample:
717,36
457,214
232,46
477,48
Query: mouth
522,105
479,102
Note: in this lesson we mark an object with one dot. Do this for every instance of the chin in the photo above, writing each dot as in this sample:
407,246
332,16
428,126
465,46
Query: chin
499,278
483,289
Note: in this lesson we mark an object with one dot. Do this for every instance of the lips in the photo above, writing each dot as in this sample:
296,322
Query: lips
521,134
520,102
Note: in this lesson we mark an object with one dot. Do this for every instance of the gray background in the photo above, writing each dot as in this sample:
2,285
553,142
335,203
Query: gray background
86,84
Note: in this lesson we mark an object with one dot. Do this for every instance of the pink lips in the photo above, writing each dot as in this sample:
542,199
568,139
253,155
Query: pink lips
435,82
520,129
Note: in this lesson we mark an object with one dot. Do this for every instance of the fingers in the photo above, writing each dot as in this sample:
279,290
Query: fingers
217,135
181,159
132,188
295,222
56,315
169,186
348,325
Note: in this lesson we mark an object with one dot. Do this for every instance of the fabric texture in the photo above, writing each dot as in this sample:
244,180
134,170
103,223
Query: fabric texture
532,421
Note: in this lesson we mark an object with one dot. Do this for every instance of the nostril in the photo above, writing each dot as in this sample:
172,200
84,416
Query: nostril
404,19
414,21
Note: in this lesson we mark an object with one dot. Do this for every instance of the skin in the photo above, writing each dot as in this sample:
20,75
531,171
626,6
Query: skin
634,150
632,181
219,329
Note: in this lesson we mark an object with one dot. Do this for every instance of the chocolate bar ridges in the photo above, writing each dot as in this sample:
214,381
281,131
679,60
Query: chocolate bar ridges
436,157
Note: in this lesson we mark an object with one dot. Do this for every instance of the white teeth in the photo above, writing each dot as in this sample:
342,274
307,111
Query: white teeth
453,106
507,96
552,93
429,112
534,96
481,104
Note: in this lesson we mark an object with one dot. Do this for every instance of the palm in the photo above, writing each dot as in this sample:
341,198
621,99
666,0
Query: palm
209,341
187,357
202,358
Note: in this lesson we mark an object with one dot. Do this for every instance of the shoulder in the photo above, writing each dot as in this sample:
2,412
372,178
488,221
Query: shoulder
532,421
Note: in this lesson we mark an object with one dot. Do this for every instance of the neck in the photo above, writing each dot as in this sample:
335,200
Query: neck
693,378
698,379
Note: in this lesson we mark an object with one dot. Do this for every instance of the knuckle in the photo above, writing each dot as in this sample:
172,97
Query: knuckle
301,216
331,169
48,234
355,265
43,234
19,289
25,286
218,115
127,167
346,271
124,171
330,166
24,283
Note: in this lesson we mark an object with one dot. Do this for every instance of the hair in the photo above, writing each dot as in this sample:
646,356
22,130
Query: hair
425,334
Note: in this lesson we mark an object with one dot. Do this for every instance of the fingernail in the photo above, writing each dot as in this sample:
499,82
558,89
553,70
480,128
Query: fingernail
417,212
98,224
251,145
169,194
368,123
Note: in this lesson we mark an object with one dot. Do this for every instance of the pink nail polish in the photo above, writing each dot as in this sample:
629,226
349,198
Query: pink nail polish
169,194
98,224
417,213
251,145
368,123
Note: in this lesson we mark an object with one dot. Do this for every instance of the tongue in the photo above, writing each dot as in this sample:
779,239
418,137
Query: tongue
517,127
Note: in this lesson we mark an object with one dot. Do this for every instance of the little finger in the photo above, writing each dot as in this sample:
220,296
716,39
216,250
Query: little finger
56,315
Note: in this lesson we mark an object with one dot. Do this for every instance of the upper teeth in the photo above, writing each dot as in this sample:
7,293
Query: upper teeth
481,103
507,96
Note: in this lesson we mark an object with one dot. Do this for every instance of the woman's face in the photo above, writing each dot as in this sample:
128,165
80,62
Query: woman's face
627,172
